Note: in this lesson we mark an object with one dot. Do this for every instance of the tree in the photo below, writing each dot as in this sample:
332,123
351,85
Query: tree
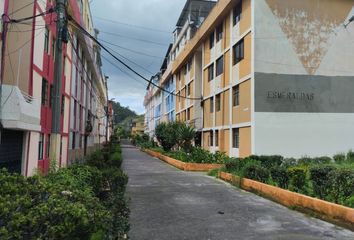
185,136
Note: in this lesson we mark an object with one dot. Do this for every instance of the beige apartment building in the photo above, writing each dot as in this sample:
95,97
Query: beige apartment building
275,77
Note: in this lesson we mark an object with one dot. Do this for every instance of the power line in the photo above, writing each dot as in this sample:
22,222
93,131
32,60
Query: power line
132,25
78,26
130,50
133,38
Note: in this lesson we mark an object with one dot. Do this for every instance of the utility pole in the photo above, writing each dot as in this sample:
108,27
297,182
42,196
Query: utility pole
58,69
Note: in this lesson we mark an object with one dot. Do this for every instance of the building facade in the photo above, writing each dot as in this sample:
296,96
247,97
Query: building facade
27,83
275,77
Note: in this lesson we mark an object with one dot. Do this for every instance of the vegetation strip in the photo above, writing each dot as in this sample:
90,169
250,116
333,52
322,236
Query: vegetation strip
182,165
328,210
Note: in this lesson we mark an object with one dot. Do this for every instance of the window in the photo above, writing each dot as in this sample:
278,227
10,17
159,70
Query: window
211,72
53,47
237,13
238,51
217,138
62,104
188,89
46,40
48,146
217,100
44,92
40,146
219,32
220,66
188,114
51,97
211,40
211,105
235,138
211,139
236,96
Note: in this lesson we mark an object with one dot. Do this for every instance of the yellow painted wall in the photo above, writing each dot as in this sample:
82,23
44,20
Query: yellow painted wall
206,136
245,64
245,142
242,113
226,75
226,140
206,87
227,32
226,107
206,52
246,18
208,120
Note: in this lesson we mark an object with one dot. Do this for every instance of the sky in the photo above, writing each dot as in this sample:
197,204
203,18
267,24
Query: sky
144,26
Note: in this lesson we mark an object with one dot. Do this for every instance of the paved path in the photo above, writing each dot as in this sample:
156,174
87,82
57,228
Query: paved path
170,204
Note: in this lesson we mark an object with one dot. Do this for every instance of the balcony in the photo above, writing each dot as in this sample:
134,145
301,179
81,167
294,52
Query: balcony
19,111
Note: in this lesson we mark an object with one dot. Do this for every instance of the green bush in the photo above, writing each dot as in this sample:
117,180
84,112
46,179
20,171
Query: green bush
289,162
115,160
233,164
280,176
350,157
256,172
268,161
200,155
339,158
342,189
179,155
36,208
166,134
297,179
115,180
321,181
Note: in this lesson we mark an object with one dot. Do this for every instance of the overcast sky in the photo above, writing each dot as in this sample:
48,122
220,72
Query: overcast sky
155,21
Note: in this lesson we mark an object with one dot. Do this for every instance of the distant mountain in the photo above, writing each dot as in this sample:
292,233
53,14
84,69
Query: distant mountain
122,113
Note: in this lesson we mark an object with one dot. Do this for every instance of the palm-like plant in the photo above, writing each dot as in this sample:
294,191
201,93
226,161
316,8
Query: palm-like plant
185,136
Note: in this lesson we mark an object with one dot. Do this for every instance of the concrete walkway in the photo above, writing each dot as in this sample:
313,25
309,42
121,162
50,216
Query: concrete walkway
170,204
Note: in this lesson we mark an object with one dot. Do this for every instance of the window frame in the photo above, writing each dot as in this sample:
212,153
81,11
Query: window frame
216,138
219,32
46,39
236,138
211,138
44,96
211,105
218,102
237,13
219,71
212,40
238,49
211,72
41,147
236,96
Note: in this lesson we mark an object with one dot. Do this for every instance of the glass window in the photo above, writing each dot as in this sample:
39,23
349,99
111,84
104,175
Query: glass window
218,102
46,40
219,32
211,139
48,146
237,13
188,89
217,138
211,72
236,96
44,92
220,66
238,51
40,146
235,138
212,105
211,40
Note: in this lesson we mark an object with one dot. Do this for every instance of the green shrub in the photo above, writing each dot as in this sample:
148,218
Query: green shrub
115,180
166,134
255,171
179,155
289,162
268,161
37,208
322,160
321,181
220,157
280,176
297,179
115,160
342,189
200,155
233,164
305,161
185,136
350,157
339,158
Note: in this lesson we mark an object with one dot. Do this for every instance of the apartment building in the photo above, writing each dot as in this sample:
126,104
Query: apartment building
28,78
276,77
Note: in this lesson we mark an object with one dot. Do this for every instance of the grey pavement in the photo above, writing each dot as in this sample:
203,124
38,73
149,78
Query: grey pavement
170,204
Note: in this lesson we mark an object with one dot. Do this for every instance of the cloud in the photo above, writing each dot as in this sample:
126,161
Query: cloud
152,14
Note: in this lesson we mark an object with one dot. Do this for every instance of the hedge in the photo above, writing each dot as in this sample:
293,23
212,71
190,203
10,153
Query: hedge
78,202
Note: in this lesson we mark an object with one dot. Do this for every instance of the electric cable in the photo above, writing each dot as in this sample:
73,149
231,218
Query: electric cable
79,27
